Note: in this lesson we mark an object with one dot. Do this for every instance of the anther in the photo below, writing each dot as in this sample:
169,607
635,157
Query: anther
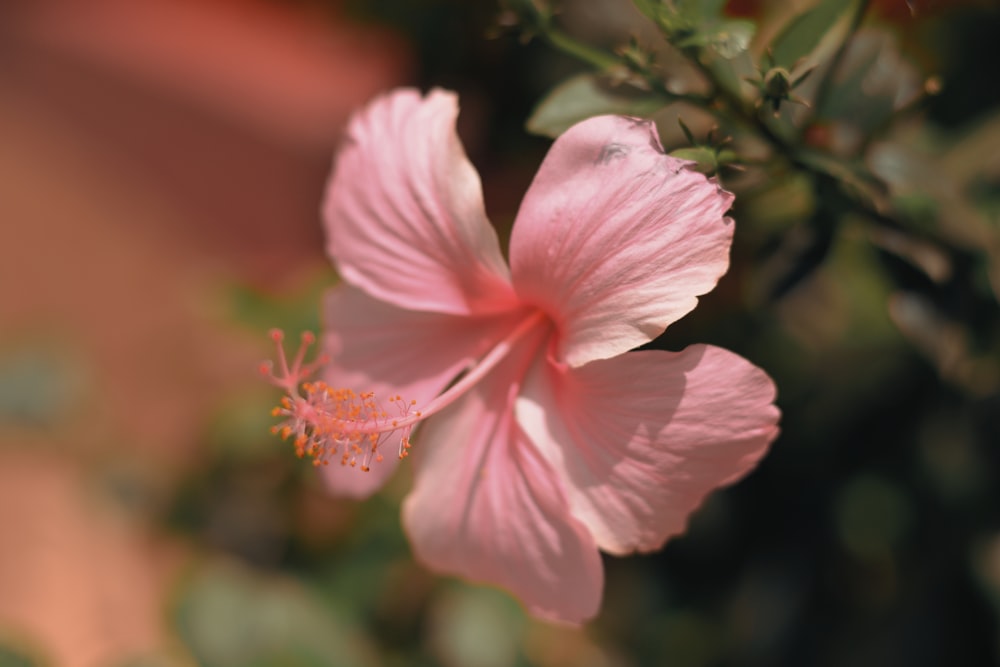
327,423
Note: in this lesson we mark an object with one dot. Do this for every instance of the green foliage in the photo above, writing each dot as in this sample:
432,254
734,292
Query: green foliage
477,627
803,34
852,95
873,516
582,97
687,13
295,313
14,657
700,26
38,384
229,615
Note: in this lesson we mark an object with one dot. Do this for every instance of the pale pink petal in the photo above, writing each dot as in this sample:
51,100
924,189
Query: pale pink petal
378,347
404,212
615,239
487,507
639,440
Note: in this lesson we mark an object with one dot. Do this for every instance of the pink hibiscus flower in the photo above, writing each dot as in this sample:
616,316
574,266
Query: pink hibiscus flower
545,439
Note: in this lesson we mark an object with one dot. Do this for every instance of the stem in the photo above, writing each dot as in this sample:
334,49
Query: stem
602,60
825,85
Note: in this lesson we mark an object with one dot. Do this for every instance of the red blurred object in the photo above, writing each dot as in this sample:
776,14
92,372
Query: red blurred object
278,71
743,8
230,108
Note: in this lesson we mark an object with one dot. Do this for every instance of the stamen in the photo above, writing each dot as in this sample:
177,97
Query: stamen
330,424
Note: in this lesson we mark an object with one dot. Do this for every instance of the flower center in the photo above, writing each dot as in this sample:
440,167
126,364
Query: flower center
341,425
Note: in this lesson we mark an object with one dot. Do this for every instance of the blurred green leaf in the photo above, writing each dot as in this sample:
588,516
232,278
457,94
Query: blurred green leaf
804,32
375,546
476,627
975,155
727,60
945,342
920,254
872,515
294,312
704,156
841,297
783,200
171,658
582,97
986,197
37,385
649,8
12,657
240,428
689,639
986,566
935,179
231,616
871,83
699,10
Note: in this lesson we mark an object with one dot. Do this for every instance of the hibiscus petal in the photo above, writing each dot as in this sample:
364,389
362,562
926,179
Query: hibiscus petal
378,347
404,212
487,507
615,239
639,440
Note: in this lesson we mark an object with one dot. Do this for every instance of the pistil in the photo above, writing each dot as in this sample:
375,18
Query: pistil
344,426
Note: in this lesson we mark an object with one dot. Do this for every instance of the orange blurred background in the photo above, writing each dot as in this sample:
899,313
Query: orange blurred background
152,154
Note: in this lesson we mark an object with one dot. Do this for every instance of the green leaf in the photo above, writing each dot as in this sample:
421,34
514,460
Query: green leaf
873,514
709,8
803,33
38,384
582,97
649,8
476,627
20,650
10,657
294,311
700,10
173,657
700,26
707,159
231,616
976,154
872,81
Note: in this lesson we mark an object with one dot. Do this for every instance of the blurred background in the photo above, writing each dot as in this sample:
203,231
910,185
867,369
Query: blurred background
161,168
